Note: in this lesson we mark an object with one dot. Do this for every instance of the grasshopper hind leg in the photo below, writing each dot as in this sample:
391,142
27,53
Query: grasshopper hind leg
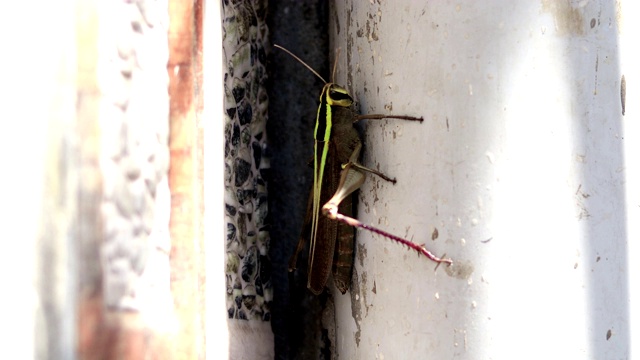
351,179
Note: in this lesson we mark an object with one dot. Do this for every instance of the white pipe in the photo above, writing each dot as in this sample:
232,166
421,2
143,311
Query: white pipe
520,165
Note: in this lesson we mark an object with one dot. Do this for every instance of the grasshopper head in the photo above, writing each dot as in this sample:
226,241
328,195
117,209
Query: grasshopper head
336,95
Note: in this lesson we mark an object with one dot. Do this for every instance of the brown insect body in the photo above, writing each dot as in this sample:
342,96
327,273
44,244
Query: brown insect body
333,250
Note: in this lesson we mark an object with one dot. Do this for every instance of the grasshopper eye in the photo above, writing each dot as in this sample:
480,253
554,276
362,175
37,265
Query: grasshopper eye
339,96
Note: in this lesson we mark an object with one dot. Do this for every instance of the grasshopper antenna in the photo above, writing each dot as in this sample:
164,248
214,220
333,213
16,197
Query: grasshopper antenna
301,62
335,65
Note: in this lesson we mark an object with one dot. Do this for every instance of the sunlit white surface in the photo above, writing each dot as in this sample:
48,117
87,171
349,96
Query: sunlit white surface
217,345
37,89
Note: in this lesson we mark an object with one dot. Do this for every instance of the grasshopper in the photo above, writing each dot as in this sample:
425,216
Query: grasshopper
337,175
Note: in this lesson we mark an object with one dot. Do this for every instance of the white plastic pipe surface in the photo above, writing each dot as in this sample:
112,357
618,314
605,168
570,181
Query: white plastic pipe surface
524,171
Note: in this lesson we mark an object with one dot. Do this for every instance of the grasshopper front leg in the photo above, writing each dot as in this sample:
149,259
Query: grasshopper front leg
351,178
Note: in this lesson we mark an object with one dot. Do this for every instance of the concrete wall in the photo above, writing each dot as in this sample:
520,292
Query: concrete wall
248,285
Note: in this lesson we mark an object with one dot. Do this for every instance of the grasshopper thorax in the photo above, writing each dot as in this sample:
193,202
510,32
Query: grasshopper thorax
336,95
